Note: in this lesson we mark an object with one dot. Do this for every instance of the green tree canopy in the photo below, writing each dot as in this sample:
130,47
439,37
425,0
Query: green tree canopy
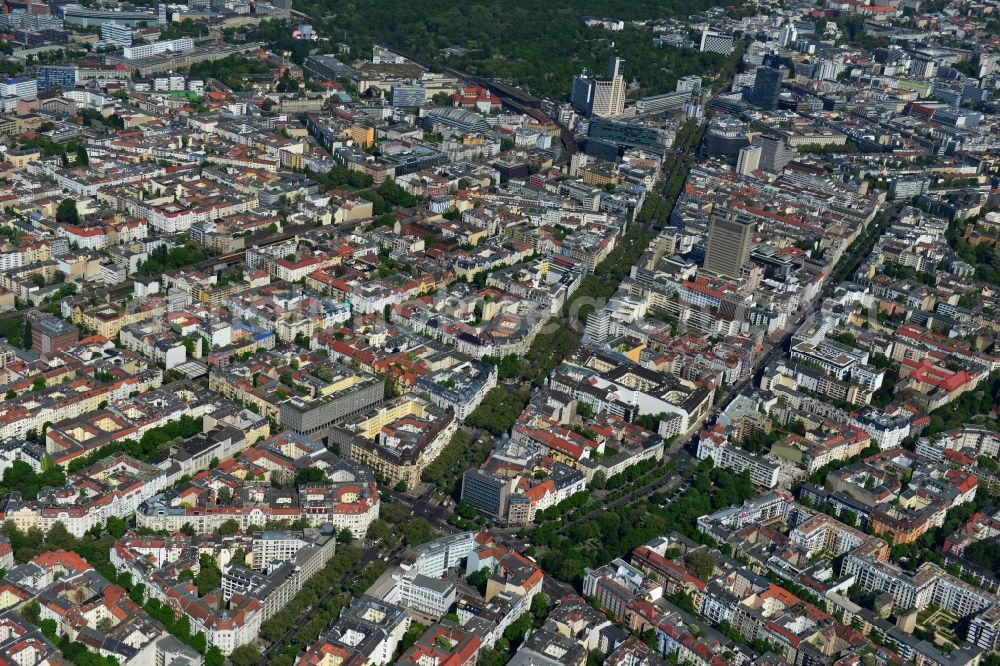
66,213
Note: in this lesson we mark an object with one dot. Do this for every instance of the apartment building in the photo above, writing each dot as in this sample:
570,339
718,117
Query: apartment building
929,584
821,533
111,488
397,439
368,631
350,501
460,387
614,585
443,644
108,319
610,383
779,617
714,444
432,597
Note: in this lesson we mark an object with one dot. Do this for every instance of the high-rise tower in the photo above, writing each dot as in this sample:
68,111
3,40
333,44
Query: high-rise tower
729,237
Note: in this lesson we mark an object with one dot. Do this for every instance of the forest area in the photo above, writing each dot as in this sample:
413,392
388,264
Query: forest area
507,39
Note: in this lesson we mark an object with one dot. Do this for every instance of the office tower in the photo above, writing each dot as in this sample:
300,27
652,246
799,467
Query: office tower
117,34
766,88
748,160
923,68
716,42
603,99
616,67
609,94
598,326
665,103
577,162
828,70
787,35
19,87
630,134
486,492
54,77
775,154
408,96
582,94
988,64
728,248
689,84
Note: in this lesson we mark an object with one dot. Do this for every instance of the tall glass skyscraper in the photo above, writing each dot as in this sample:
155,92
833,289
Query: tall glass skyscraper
766,88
